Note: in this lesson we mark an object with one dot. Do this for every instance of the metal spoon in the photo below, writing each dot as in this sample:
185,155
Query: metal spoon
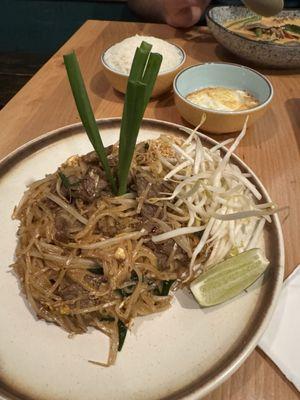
267,8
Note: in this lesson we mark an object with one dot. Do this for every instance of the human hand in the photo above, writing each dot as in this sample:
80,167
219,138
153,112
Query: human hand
183,13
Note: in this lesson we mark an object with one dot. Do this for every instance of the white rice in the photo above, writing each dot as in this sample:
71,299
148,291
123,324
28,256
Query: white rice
119,57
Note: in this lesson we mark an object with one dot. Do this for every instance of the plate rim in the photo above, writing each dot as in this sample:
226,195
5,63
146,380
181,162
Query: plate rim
195,389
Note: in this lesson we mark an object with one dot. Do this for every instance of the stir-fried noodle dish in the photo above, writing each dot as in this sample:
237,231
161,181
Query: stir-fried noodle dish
87,258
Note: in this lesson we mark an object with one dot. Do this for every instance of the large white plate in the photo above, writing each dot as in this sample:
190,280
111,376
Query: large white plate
182,353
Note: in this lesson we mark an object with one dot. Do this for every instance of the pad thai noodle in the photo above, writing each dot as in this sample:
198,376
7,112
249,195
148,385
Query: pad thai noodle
87,258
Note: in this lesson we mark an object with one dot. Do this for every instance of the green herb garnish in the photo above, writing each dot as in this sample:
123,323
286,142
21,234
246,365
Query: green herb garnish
243,21
133,276
165,289
146,146
199,234
106,319
258,32
123,293
97,270
122,334
86,113
128,290
66,181
292,28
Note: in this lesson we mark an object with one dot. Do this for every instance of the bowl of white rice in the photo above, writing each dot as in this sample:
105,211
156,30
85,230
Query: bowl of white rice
117,60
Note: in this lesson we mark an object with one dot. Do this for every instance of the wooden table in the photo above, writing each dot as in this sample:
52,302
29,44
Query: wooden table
271,147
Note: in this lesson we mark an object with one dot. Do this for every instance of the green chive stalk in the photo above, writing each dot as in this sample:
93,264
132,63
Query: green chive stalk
86,114
136,73
131,122
150,75
141,81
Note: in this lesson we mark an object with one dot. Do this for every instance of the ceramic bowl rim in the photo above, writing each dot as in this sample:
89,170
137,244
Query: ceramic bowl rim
274,46
183,59
241,112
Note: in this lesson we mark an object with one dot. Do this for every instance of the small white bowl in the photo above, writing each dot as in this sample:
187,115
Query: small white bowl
226,75
163,83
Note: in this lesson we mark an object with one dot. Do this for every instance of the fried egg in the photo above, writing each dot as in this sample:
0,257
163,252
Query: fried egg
223,99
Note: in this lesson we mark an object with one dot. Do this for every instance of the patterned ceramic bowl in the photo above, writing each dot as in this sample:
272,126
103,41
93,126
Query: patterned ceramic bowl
262,53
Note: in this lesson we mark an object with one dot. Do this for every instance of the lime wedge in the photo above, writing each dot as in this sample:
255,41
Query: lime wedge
229,278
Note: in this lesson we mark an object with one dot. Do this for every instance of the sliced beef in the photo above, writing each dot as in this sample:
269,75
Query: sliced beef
161,250
182,256
92,157
70,291
113,161
148,210
51,204
95,281
107,226
93,182
144,221
140,184
142,181
90,186
61,229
